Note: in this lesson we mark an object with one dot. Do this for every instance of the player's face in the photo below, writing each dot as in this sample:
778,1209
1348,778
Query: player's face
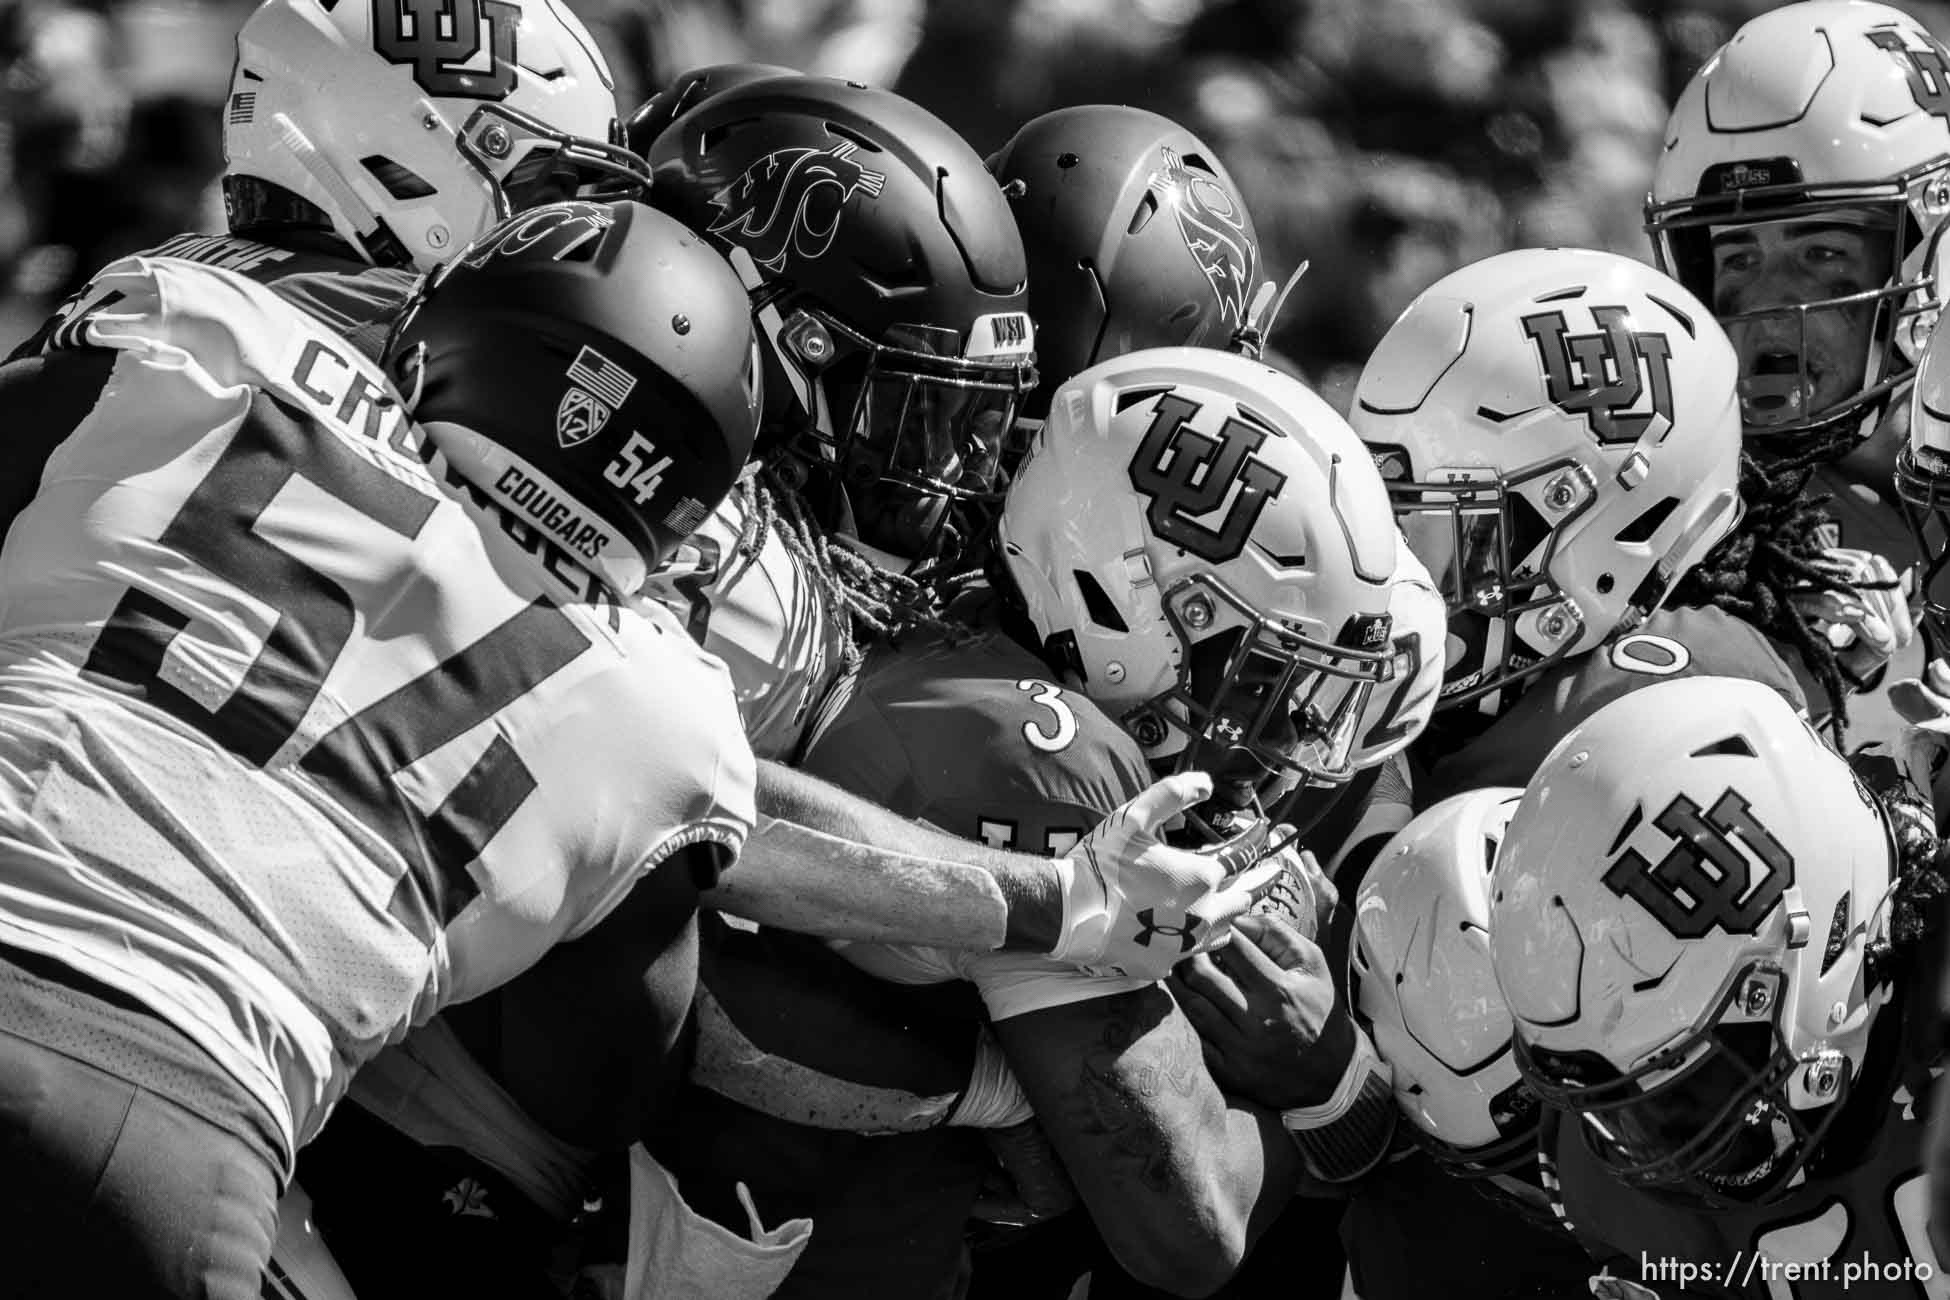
1793,362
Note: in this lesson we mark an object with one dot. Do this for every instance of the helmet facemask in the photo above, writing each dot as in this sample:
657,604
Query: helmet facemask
527,162
1785,347
1490,549
1256,699
1725,1116
915,439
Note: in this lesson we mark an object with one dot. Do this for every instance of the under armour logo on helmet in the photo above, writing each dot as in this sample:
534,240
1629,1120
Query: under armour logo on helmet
1186,934
1704,880
1189,475
440,38
1927,69
1603,375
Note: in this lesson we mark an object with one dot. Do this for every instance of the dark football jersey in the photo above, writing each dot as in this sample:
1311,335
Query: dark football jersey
1860,1230
974,738
977,740
1414,1230
1683,642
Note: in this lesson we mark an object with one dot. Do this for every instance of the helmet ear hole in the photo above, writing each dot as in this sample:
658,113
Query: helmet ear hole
1735,746
401,181
1097,602
1640,530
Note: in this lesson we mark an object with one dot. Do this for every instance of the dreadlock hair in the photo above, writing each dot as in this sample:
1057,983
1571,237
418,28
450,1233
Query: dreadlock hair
1774,553
871,603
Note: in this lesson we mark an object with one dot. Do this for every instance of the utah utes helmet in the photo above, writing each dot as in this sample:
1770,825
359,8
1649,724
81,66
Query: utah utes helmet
591,368
1832,111
1678,920
1559,433
1205,547
408,127
1923,482
1136,236
1426,991
891,295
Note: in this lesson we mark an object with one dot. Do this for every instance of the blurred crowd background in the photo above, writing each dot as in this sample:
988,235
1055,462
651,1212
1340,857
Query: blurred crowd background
1385,142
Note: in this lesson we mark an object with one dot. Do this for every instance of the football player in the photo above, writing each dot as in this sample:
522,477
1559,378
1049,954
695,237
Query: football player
760,598
1252,640
529,118
1556,514
1802,193
1555,511
1137,237
1706,929
318,708
1426,992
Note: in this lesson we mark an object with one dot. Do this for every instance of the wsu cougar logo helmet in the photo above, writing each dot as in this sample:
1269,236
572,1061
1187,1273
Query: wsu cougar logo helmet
792,201
1215,231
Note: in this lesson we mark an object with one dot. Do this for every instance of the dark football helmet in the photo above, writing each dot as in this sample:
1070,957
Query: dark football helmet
1136,237
592,368
686,91
890,287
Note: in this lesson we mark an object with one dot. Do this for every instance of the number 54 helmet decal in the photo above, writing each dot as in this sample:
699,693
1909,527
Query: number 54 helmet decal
1559,433
411,126
1205,546
1679,920
591,369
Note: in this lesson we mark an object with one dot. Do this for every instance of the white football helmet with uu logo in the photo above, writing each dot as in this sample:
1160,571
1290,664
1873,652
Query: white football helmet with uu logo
1206,548
1559,433
1679,921
1426,991
1831,110
412,126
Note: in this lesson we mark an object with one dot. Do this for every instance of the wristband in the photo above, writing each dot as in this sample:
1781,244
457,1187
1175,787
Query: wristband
1349,1133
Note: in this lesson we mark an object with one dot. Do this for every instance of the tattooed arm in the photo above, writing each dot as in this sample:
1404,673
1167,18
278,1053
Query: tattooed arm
1180,1179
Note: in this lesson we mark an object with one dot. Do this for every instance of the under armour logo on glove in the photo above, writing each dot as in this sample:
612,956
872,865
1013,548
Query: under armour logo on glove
1122,884
1186,934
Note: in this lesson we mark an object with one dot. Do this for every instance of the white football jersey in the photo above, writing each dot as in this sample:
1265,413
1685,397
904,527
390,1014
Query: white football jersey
299,741
763,613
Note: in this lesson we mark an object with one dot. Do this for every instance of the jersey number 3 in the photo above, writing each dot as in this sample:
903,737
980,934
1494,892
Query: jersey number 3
218,527
1057,737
